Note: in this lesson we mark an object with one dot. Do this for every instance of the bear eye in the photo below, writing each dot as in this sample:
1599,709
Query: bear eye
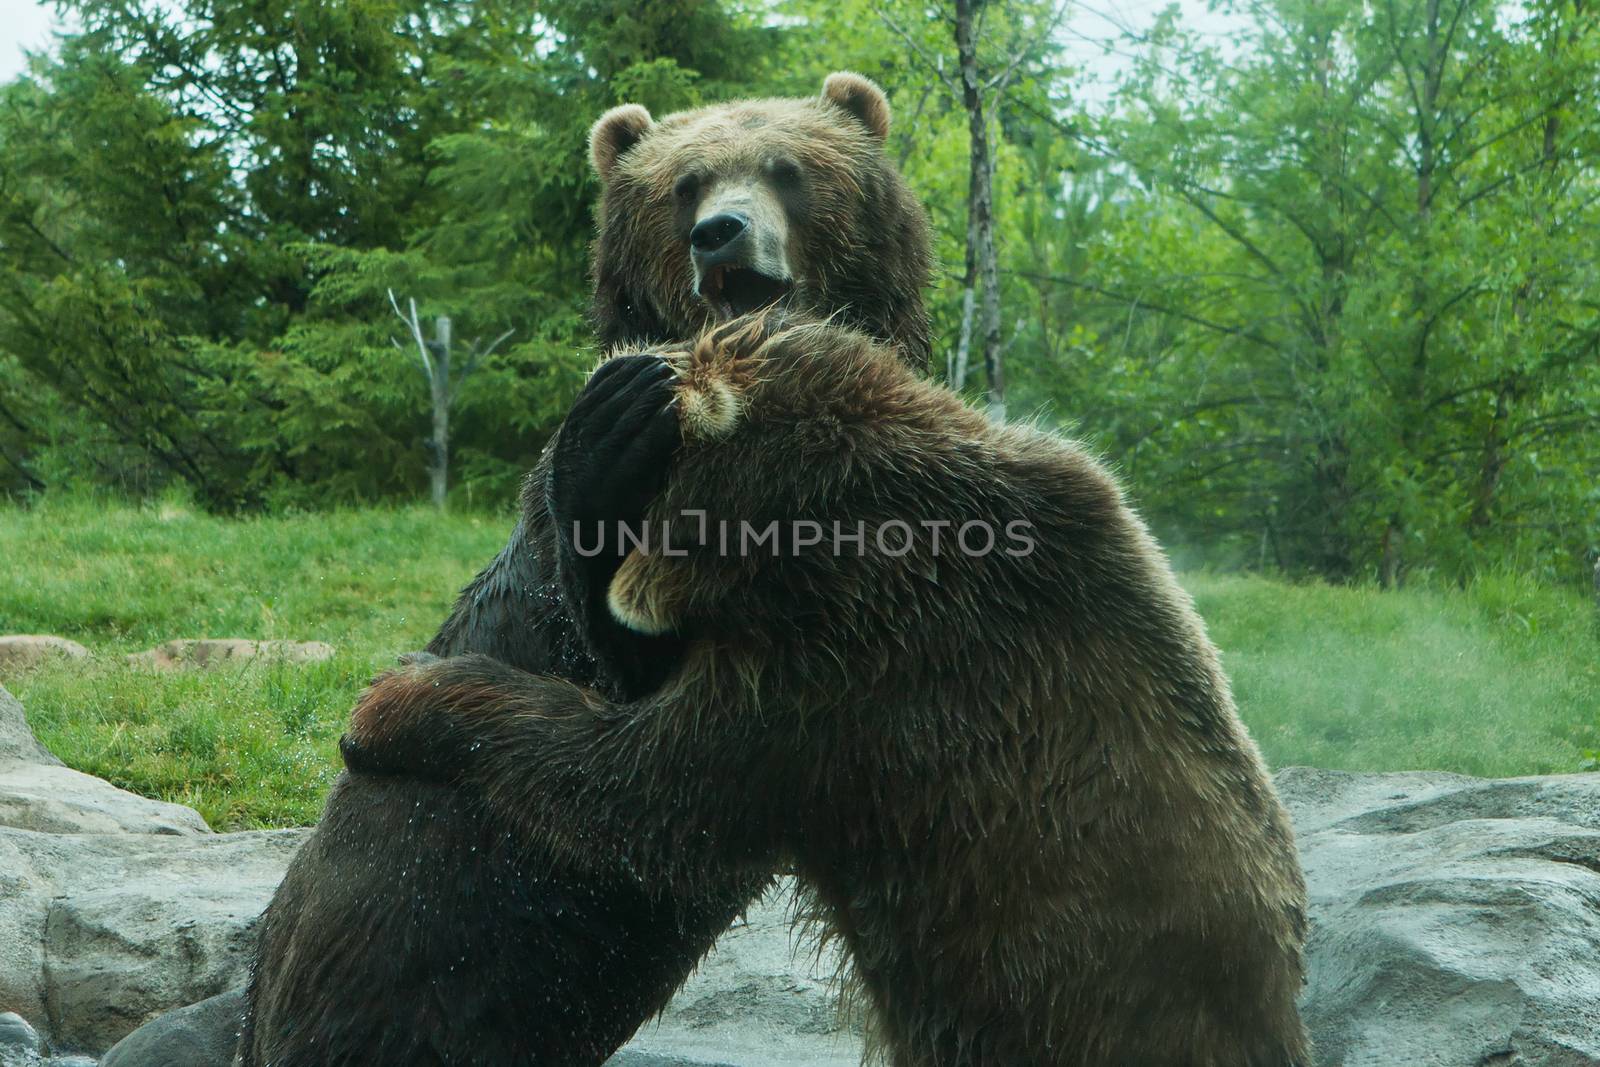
687,187
784,171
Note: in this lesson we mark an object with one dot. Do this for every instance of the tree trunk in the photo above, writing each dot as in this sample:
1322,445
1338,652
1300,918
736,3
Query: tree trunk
1491,463
1422,298
1331,468
980,205
1389,575
440,445
958,374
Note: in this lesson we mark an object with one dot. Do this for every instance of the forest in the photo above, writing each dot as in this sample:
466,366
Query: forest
1324,290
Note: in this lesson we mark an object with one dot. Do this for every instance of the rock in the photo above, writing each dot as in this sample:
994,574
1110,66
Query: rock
19,1042
1455,921
16,738
101,932
631,1058
763,996
114,906
20,652
53,799
754,1001
229,651
201,1035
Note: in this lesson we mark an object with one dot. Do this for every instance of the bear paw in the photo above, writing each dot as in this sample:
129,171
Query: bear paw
616,444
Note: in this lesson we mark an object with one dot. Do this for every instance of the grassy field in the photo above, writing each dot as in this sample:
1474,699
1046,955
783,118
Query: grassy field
1502,678
246,747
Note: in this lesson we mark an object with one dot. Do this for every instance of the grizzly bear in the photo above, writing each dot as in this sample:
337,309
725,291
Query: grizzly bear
1007,768
416,928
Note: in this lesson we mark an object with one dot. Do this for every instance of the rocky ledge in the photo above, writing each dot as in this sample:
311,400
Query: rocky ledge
1455,923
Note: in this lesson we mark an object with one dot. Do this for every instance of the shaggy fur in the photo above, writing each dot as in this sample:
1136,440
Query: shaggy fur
1014,783
412,929
862,250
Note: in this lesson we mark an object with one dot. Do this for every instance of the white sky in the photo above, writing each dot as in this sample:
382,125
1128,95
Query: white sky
1094,26
23,24
27,24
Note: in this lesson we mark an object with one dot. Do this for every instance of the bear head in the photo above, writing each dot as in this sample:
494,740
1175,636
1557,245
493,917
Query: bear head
709,214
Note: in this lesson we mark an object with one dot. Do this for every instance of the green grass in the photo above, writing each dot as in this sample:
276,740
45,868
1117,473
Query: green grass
1498,679
1501,678
246,747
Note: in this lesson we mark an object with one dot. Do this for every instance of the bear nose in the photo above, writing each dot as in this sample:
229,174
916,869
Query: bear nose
710,234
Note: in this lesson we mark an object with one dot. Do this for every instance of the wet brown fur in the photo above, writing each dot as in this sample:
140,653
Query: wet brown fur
862,250
1014,785
413,929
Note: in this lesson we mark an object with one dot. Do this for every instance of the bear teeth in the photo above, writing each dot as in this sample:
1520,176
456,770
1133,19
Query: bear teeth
735,290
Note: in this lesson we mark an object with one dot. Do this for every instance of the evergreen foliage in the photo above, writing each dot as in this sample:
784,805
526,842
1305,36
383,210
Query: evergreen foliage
1327,294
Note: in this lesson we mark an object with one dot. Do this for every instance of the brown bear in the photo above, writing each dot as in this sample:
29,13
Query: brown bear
414,928
932,661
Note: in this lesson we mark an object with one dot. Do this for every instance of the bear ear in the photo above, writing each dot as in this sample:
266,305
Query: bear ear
613,134
861,98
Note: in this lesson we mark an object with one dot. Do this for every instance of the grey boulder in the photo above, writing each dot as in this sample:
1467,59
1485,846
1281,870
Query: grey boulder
200,1035
763,996
49,798
16,737
115,908
19,1042
101,932
213,652
1455,921
20,652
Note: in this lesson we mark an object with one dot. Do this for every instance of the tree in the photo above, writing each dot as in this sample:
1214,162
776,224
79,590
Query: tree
201,207
444,378
979,82
1339,230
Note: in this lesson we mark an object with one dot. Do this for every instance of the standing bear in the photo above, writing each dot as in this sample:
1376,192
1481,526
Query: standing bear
414,927
932,661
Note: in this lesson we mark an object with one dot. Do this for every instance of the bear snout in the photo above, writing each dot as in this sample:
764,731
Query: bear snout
740,250
710,237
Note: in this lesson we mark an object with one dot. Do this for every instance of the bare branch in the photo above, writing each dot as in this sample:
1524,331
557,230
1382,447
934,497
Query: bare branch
906,130
1001,81
474,354
1242,332
415,326
922,53
495,343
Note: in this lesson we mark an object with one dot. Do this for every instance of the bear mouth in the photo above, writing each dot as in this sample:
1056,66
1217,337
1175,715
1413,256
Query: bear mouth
733,291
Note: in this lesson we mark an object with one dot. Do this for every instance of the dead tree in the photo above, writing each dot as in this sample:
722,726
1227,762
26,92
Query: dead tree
981,256
978,90
444,378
